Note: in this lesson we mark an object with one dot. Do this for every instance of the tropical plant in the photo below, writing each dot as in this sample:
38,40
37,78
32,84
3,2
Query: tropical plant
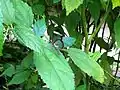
56,44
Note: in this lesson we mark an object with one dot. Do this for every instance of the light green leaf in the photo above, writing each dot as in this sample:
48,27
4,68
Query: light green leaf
40,27
19,77
70,5
1,33
56,1
54,69
84,62
23,13
115,3
9,71
68,41
8,11
117,31
28,38
95,56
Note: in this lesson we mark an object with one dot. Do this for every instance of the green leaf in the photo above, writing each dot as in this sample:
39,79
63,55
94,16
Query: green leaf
68,41
38,9
84,62
54,69
95,56
28,38
56,1
8,11
117,31
115,3
1,33
27,61
20,77
23,13
9,71
81,87
94,7
40,27
70,5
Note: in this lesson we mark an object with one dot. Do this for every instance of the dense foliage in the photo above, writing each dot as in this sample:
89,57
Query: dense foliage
51,44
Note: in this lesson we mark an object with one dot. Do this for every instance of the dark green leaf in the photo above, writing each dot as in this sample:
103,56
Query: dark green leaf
117,31
9,71
27,61
19,77
38,9
84,62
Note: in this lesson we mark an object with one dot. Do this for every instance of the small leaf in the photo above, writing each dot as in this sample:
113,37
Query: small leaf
54,69
84,62
34,78
115,3
68,41
40,27
9,71
8,11
70,5
56,1
38,9
81,87
117,31
23,13
95,56
27,61
19,77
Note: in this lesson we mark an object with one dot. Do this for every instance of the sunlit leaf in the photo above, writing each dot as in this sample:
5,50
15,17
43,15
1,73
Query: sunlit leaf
54,69
8,11
84,62
115,3
70,5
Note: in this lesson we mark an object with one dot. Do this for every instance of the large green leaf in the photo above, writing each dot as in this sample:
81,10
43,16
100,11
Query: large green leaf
1,33
70,5
8,11
85,63
28,38
115,3
20,77
23,13
54,69
117,31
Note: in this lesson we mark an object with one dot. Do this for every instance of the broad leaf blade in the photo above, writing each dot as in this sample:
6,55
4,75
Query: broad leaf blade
8,11
83,61
54,70
23,13
70,5
28,38
117,31
19,77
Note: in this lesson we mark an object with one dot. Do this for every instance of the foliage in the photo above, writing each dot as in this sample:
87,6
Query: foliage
51,44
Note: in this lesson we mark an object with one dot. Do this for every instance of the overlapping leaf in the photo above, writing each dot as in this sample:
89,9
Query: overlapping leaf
54,69
8,11
70,5
84,62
